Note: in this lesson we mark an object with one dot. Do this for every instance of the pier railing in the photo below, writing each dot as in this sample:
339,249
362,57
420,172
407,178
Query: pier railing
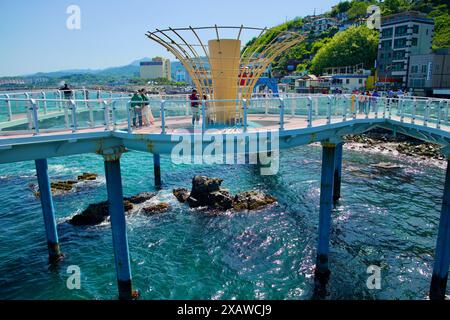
43,112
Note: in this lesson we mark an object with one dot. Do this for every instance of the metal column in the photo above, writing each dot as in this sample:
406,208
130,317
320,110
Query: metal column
337,173
322,271
48,210
157,169
118,226
442,255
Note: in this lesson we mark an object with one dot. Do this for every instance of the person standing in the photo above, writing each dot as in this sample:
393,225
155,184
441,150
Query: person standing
147,117
67,92
195,107
136,105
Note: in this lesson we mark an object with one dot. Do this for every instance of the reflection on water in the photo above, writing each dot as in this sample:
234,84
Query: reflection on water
387,218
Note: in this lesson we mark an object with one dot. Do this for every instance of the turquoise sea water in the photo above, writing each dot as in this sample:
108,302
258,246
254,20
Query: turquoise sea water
388,219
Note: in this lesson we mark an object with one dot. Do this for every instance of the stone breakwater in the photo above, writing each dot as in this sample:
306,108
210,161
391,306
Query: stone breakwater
385,141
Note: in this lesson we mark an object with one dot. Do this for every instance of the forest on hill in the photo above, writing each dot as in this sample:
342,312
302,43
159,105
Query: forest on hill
355,45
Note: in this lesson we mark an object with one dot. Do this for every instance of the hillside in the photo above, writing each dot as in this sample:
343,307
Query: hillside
310,54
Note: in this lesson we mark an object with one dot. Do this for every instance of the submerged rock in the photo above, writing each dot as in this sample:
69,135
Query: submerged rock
156,208
140,198
60,188
88,177
96,213
207,192
182,194
386,166
252,200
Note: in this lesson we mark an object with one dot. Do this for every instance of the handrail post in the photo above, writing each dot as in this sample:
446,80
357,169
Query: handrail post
29,111
244,103
387,102
354,104
309,110
60,104
34,110
106,108
402,110
203,116
44,97
86,98
344,111
440,109
375,100
330,101
73,107
413,114
427,114
129,124
8,106
113,114
281,114
163,117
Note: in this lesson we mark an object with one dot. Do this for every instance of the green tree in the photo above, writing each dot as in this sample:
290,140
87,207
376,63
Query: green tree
441,37
350,47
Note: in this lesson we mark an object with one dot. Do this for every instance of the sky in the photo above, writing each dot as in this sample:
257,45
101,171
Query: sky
34,35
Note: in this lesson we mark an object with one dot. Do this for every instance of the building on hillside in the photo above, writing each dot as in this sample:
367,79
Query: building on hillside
402,35
157,68
429,74
319,24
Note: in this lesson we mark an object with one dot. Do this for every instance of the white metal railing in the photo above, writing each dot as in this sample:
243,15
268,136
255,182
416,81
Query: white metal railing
39,112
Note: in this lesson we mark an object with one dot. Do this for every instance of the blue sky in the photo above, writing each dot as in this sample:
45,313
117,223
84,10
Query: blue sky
34,36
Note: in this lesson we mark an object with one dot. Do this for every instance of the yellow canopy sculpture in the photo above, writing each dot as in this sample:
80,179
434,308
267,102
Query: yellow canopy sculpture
222,69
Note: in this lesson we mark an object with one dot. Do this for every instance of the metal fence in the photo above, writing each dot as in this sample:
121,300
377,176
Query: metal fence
43,112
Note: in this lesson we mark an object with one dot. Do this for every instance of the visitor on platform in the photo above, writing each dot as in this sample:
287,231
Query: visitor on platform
195,107
147,116
67,92
136,107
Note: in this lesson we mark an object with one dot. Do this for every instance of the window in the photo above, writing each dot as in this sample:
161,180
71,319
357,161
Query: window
400,43
386,44
424,68
386,33
414,42
398,66
382,56
360,81
414,69
347,81
415,29
401,31
400,54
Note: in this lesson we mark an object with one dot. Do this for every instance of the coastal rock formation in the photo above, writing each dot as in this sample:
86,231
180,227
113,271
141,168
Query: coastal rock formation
95,214
63,187
252,200
140,198
98,213
88,177
386,166
182,194
386,141
207,193
156,208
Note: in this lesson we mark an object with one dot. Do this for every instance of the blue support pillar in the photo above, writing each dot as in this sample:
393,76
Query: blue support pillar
337,173
118,227
442,255
322,271
157,169
48,210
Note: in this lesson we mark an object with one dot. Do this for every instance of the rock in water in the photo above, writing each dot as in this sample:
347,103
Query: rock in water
96,214
386,166
140,198
88,177
252,200
182,194
156,208
207,192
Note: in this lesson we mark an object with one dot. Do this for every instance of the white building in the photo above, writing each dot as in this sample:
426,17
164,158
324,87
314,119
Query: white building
157,68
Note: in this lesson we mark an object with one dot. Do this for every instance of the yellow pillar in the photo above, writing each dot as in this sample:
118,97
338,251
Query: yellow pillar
225,62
